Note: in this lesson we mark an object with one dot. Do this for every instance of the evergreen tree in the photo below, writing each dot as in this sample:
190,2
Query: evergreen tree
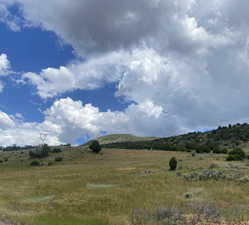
95,147
173,163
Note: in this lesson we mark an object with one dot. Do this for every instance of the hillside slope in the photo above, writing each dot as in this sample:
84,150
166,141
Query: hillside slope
120,138
116,138
220,140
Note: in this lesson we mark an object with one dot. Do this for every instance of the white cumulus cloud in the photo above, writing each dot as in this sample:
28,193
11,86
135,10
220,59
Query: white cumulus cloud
12,21
5,121
4,68
4,65
184,63
67,121
87,75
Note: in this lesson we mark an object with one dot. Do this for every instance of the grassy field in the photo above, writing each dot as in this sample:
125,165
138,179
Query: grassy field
105,189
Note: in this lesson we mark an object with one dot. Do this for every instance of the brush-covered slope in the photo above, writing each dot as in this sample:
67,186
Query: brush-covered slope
219,140
116,138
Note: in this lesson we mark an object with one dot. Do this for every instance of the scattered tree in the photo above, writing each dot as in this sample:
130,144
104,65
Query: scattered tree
173,163
95,147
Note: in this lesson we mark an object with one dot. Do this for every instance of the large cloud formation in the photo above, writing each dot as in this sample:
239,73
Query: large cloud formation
183,63
67,120
94,26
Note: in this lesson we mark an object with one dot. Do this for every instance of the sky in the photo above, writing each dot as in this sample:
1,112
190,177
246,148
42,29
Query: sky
75,70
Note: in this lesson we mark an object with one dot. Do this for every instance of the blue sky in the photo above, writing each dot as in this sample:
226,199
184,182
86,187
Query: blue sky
80,69
34,49
29,50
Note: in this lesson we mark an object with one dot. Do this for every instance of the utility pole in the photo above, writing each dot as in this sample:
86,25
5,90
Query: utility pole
43,138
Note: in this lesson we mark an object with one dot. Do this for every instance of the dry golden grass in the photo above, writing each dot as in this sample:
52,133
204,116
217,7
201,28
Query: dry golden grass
89,189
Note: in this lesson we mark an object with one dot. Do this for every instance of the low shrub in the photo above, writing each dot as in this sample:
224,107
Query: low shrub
220,151
210,174
203,149
213,166
56,150
50,163
58,159
234,158
215,175
202,213
236,154
35,163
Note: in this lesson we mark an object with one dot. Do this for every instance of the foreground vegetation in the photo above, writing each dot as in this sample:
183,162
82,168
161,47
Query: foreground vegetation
127,187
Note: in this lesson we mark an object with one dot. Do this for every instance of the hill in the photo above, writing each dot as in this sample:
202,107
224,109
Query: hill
120,138
219,140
